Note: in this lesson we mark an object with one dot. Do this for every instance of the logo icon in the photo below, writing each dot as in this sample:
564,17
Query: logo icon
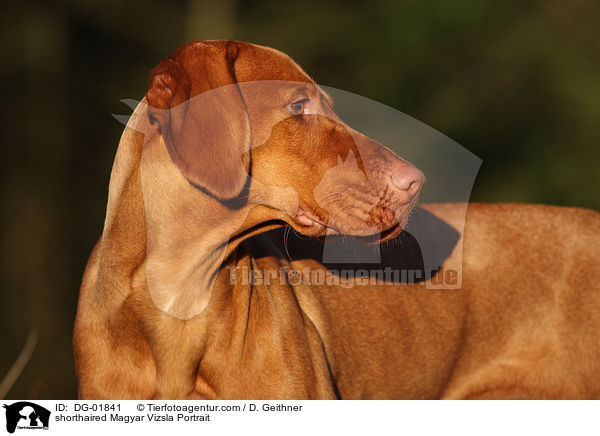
26,415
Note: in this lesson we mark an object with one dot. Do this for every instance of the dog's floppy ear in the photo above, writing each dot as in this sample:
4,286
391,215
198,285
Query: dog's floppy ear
194,99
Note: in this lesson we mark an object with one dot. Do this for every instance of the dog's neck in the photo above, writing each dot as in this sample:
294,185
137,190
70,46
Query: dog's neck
178,239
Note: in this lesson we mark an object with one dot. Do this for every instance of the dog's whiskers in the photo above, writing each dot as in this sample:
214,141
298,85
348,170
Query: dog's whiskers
286,235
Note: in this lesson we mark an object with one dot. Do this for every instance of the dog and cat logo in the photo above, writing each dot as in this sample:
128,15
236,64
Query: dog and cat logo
26,415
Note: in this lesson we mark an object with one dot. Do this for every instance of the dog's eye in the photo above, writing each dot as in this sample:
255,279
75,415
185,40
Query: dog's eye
297,107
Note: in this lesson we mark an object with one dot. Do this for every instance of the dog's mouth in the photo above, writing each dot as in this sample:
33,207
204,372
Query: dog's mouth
313,225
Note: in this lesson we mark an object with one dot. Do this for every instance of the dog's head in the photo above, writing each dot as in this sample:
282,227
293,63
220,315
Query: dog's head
247,126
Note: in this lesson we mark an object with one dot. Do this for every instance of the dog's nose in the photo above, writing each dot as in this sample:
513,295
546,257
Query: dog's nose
407,178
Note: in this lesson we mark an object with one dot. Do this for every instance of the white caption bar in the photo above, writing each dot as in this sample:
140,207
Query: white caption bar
300,417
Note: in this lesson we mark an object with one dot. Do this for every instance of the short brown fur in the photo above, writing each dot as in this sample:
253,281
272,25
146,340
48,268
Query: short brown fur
524,324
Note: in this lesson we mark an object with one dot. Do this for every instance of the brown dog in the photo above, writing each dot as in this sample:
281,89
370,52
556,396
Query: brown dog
235,143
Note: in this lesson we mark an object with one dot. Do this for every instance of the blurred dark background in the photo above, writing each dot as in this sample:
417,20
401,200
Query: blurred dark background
517,83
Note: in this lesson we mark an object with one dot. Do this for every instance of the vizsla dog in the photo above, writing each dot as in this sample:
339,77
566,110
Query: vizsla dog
197,290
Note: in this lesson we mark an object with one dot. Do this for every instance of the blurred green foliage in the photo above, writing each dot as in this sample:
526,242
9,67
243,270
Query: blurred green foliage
517,83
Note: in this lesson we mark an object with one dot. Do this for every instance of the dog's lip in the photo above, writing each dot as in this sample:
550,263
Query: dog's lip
309,220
